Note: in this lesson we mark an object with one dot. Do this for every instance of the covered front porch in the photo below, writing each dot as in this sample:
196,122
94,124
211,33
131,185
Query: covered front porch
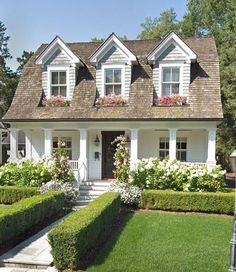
90,150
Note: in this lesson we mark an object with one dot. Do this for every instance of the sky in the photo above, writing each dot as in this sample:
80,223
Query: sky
30,23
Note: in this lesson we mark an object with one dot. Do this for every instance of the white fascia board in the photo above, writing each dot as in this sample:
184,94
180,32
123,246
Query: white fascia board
107,45
52,47
172,38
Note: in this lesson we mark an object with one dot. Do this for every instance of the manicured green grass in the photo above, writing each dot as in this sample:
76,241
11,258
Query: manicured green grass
151,241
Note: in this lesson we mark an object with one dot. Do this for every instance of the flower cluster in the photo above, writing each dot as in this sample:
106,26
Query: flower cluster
122,161
56,101
172,100
130,195
70,191
171,174
111,101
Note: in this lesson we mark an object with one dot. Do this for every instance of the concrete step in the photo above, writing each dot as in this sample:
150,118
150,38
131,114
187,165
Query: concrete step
96,187
91,192
82,202
87,197
96,182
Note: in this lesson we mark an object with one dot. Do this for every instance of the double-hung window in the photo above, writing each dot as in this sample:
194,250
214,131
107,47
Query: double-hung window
170,81
181,148
58,83
113,81
163,147
64,142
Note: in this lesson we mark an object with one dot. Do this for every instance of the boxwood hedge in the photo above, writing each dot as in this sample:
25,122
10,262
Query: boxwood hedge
12,194
82,230
188,201
20,217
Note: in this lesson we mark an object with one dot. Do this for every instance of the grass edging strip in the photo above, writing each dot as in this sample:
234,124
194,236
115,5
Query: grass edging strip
20,217
12,194
79,232
219,202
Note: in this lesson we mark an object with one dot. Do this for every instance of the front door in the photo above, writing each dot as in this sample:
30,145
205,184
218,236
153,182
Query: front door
108,151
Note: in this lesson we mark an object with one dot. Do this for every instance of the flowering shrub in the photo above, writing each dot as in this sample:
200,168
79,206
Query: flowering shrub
56,101
130,194
70,191
122,161
34,173
172,100
25,173
171,174
111,101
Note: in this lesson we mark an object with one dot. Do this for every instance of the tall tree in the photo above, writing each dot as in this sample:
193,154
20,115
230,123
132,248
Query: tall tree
8,79
160,26
23,60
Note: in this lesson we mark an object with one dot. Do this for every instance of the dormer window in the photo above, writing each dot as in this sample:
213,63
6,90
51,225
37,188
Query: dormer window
58,83
112,84
170,80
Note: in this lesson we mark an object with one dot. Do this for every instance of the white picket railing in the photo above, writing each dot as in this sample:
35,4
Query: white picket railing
74,164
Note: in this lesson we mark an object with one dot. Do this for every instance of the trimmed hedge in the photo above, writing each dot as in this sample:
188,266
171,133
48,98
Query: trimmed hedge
82,230
188,201
12,194
20,217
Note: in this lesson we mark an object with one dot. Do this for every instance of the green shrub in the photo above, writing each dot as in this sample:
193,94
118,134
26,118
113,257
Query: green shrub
22,216
12,194
188,201
153,173
81,231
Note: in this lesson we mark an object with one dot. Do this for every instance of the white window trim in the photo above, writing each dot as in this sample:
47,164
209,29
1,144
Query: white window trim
114,66
166,137
51,69
181,74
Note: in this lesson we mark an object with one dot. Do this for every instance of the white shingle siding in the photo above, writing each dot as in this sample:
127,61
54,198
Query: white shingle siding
59,59
114,56
172,53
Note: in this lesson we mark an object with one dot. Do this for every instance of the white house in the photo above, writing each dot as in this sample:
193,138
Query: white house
181,74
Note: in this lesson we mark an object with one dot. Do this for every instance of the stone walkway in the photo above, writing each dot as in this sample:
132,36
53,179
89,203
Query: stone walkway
33,253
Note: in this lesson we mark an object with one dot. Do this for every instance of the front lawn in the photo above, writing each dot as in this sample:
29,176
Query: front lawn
151,241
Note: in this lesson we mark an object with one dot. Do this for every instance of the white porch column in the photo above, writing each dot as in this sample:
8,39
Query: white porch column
28,144
83,161
13,145
133,149
211,151
172,143
47,141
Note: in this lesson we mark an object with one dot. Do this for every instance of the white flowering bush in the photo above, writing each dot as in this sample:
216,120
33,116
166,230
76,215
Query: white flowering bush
70,191
122,160
35,173
130,194
153,173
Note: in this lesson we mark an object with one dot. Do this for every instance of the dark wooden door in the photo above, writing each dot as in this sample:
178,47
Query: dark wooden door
108,151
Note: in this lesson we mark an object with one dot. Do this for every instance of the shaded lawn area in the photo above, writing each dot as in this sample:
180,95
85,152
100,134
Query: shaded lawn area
151,241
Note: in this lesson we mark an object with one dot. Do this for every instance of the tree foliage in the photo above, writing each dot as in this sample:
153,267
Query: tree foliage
160,26
206,18
23,60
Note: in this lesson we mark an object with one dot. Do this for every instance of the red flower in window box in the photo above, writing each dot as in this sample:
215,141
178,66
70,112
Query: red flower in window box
172,100
56,101
111,101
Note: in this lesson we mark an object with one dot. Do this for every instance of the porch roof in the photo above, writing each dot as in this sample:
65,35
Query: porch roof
204,92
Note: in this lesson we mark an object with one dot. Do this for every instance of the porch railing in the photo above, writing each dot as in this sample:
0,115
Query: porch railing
74,164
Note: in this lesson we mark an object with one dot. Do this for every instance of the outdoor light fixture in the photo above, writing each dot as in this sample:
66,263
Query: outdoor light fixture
96,141
127,139
232,267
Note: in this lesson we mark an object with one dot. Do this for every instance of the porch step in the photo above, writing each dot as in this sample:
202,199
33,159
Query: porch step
96,183
96,187
89,190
